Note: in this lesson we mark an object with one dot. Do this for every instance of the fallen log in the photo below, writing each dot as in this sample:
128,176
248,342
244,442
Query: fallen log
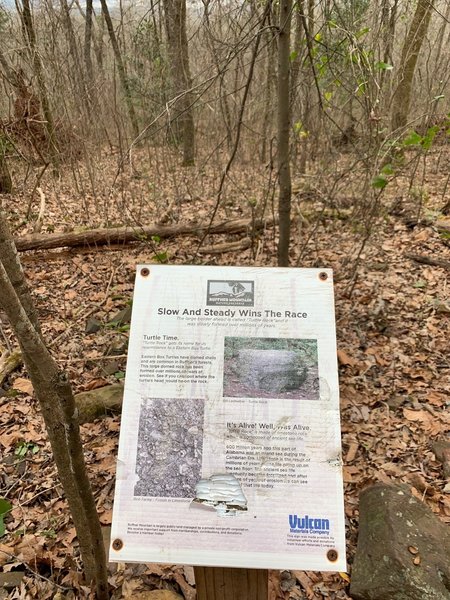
429,260
227,247
126,235
9,361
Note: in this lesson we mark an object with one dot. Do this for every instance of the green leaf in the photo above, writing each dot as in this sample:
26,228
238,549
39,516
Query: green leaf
387,169
429,137
156,239
5,507
317,37
328,96
382,66
161,257
119,375
379,182
21,449
412,139
420,284
362,32
293,55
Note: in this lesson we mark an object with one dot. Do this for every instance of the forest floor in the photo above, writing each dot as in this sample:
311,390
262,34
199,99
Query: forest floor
393,323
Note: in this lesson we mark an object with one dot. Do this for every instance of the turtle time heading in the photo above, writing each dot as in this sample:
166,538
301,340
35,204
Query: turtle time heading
229,312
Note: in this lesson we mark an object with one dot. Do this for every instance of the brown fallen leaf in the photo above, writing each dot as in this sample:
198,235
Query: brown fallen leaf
345,359
351,452
23,385
429,423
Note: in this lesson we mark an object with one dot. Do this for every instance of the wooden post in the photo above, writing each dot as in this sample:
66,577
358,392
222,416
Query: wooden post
216,583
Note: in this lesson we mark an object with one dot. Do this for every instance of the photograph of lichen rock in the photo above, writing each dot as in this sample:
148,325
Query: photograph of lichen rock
271,368
169,449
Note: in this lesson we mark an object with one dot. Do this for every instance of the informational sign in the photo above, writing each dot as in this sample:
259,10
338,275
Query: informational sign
230,448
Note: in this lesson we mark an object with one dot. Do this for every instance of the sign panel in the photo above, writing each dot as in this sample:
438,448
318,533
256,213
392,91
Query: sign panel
230,451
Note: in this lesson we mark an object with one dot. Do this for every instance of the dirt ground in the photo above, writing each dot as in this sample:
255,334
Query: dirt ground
392,316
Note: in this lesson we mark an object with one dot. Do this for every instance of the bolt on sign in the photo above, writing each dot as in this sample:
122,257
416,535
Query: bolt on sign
230,449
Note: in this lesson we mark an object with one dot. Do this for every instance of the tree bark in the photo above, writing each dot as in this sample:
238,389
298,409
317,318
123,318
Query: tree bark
10,260
56,400
30,35
5,176
121,69
180,77
410,52
284,122
125,235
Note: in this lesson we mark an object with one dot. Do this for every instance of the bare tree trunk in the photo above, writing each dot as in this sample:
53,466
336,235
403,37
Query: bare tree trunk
388,18
410,52
284,122
223,94
5,176
88,66
120,69
28,27
180,76
266,131
80,82
55,397
88,43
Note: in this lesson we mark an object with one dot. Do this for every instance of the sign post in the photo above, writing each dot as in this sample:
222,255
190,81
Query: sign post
215,583
230,452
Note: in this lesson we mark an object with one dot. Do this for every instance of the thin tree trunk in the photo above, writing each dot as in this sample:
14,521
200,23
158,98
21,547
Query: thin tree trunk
5,176
223,94
89,68
389,16
80,81
28,27
56,400
284,121
410,52
180,76
120,69
267,121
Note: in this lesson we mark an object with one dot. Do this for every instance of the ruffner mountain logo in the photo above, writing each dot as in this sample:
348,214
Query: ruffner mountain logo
230,293
308,524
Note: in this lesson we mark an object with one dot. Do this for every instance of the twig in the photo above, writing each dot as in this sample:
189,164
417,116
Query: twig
36,573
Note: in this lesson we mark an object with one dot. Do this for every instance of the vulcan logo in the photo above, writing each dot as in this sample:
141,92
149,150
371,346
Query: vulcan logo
308,524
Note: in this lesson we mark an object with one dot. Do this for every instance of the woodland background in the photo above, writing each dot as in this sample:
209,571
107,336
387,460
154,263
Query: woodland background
197,128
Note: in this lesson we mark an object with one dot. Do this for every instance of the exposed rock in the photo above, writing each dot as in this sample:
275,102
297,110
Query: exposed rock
123,317
270,370
441,449
118,346
10,580
111,367
99,402
93,325
403,549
